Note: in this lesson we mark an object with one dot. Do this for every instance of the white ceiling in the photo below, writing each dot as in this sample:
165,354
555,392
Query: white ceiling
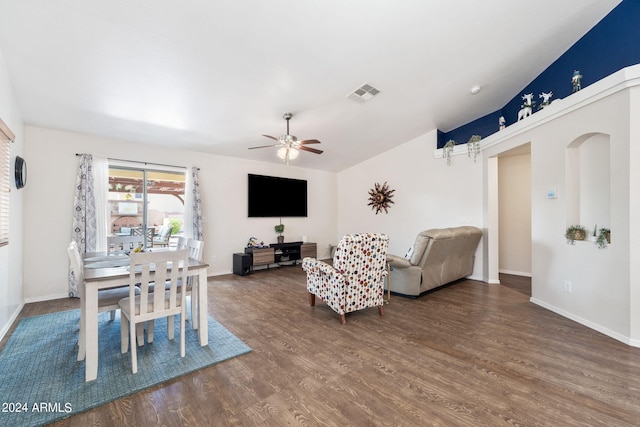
214,76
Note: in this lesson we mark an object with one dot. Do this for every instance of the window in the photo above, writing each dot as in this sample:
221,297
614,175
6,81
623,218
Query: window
144,200
6,137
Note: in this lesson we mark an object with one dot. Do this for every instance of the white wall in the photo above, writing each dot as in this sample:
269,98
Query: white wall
600,278
633,186
428,194
49,199
11,260
514,192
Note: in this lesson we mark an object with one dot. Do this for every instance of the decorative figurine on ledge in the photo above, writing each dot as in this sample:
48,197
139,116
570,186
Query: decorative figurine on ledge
576,80
527,107
545,99
253,243
502,123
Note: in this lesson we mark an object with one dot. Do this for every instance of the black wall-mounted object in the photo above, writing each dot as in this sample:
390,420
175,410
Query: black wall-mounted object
20,172
270,196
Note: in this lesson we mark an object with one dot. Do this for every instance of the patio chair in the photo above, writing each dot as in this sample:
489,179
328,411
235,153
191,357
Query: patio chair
162,238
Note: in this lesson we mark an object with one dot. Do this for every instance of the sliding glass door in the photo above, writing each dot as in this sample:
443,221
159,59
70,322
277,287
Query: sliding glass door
146,202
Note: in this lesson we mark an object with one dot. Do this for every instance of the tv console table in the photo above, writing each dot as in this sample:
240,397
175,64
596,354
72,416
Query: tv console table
277,253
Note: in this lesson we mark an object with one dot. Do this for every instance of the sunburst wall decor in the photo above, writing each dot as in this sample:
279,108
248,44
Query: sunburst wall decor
380,198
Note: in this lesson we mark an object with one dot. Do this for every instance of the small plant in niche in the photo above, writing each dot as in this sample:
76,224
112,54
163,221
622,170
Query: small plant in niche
473,146
574,232
447,150
279,229
603,238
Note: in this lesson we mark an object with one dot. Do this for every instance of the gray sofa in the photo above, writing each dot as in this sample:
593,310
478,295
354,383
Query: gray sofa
438,257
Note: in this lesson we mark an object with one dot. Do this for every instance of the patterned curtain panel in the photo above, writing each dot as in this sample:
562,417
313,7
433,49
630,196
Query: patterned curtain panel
84,215
195,205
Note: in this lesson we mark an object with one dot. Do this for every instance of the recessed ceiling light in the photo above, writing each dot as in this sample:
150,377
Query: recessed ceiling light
475,89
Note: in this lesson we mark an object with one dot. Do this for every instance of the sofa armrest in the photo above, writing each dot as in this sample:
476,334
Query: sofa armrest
398,262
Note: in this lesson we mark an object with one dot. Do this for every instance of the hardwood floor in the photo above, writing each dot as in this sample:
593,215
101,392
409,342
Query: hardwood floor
468,354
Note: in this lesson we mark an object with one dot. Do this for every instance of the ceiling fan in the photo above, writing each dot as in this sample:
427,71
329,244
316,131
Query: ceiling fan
289,146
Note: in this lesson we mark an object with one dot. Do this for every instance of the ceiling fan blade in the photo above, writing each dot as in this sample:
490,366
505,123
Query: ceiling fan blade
312,150
309,141
264,146
272,137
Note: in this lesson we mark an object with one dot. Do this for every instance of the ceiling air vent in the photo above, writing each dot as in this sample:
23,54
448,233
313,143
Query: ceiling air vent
363,94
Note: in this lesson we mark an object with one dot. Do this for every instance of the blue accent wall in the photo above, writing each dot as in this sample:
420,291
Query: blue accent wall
612,44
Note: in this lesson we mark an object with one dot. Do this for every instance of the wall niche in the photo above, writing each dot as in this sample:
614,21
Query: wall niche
588,182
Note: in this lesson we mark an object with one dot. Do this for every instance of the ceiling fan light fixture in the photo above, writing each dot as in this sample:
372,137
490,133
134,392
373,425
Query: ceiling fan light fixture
287,153
288,145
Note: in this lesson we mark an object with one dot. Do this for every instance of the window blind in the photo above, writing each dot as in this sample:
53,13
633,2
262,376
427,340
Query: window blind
6,137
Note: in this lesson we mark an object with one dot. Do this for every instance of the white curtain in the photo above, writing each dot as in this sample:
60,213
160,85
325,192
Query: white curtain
83,230
101,191
192,205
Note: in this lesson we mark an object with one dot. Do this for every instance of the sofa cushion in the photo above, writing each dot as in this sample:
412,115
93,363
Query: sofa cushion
419,247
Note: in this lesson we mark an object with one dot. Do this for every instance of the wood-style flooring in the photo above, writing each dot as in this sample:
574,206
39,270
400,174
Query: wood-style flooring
469,354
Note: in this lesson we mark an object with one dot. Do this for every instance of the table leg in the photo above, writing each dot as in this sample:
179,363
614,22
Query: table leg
195,296
203,324
90,311
82,334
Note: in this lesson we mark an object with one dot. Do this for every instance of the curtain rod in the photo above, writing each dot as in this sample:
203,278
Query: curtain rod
143,163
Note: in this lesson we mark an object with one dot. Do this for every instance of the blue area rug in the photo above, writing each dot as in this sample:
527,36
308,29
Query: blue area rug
41,381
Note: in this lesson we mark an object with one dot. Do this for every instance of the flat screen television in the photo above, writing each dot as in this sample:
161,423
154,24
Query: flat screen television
271,196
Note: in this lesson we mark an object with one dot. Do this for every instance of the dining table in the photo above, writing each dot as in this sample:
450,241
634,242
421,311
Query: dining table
106,270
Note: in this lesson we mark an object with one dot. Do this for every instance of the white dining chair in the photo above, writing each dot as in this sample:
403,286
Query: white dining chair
195,248
107,298
181,242
146,268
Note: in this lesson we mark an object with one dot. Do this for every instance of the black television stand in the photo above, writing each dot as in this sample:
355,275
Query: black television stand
276,253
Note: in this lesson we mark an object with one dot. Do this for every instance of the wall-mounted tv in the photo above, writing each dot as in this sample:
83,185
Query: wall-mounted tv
271,196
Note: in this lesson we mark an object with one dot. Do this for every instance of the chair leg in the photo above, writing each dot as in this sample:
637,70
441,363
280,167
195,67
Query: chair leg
124,334
134,354
140,334
194,304
343,319
112,315
82,348
312,299
171,328
150,329
183,346
381,310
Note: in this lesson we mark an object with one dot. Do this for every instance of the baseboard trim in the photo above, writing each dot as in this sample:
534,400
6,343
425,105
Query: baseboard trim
12,319
591,325
46,298
515,273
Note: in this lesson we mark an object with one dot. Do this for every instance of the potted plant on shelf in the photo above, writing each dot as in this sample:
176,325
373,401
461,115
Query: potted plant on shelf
575,232
279,229
603,238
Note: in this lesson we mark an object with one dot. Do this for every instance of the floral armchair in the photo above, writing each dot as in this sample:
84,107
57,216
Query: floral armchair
356,279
